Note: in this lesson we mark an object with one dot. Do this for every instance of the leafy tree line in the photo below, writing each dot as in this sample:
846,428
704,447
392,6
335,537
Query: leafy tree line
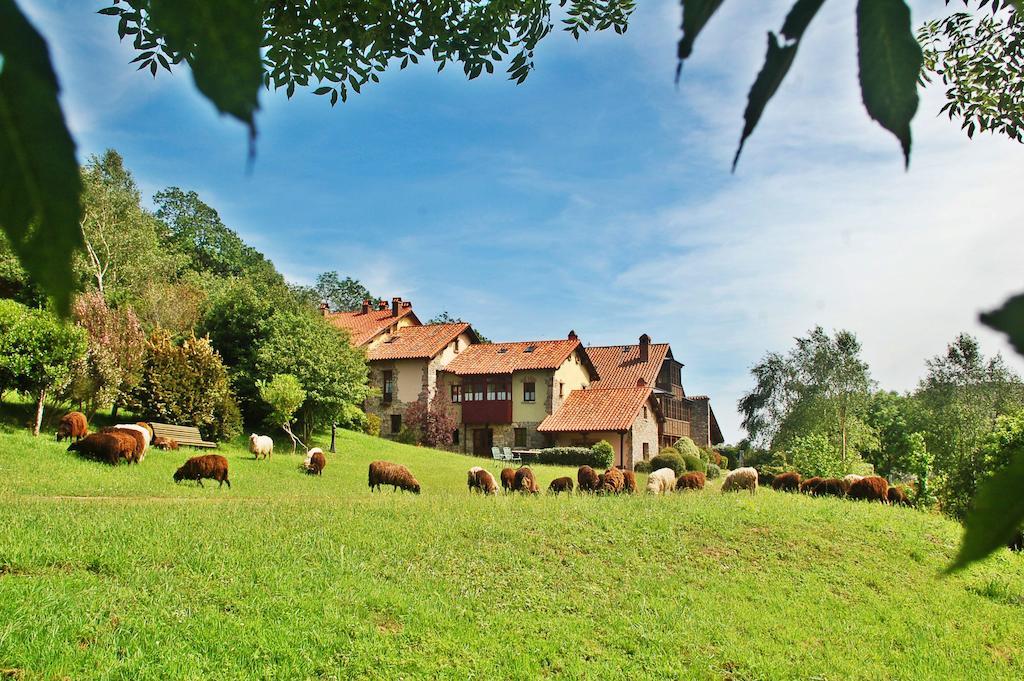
817,410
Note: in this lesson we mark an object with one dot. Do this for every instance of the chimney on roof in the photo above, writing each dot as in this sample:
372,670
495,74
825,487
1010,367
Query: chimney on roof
573,336
382,305
407,305
396,304
366,305
645,347
324,308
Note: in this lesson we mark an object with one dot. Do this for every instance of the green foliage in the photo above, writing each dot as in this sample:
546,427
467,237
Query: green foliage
599,458
407,436
14,280
39,183
343,295
603,451
669,457
354,418
686,446
713,471
186,384
815,455
116,345
372,426
696,14
694,463
284,394
642,467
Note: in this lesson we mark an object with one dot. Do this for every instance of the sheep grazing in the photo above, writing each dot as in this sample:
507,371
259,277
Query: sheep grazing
396,475
209,466
260,446
786,482
148,428
897,496
871,488
765,478
110,447
481,479
141,434
525,481
72,425
661,481
691,480
810,484
587,479
508,479
830,487
741,478
613,481
138,441
560,485
165,443
1016,542
628,482
848,481
315,461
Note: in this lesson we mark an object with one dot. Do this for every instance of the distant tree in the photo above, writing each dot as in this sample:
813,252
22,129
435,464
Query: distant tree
445,318
14,280
116,347
284,395
38,353
343,295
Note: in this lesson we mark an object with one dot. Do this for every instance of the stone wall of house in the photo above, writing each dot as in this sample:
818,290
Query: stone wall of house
644,431
700,421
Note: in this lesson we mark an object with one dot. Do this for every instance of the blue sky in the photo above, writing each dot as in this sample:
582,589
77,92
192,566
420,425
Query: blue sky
597,196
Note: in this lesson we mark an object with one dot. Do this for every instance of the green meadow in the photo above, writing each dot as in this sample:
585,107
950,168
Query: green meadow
118,573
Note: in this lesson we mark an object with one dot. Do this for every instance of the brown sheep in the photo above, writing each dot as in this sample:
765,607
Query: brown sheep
165,443
613,481
481,479
147,427
525,481
560,485
317,462
897,496
587,479
766,478
871,488
136,437
508,479
109,447
72,425
810,484
628,482
691,480
210,466
830,487
786,482
396,475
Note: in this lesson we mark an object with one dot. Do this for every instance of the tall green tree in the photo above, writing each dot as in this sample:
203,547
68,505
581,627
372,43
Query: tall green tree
343,295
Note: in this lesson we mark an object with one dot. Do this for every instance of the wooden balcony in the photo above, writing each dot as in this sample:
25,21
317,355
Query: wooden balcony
676,428
479,412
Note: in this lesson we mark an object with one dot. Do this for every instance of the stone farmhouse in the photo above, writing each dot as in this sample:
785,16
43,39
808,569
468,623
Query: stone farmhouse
527,394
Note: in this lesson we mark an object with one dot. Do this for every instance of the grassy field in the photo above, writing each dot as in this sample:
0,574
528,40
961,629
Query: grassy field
120,573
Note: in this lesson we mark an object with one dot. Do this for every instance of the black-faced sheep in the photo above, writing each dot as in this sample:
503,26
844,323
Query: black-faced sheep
691,480
587,479
661,481
765,477
830,487
786,482
741,478
396,475
315,461
481,479
260,446
508,479
810,484
628,482
560,485
110,447
525,481
209,466
72,425
612,481
871,488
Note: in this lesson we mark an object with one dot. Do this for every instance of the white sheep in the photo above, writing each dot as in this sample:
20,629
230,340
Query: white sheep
850,479
147,435
741,478
260,445
661,481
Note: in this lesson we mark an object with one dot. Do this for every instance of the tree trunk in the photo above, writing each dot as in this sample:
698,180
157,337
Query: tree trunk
39,412
113,410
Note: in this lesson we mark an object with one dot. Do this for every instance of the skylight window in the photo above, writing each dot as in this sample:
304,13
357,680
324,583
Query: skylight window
530,348
502,351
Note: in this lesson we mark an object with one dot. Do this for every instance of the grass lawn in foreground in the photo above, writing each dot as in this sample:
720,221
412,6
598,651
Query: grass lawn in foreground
119,573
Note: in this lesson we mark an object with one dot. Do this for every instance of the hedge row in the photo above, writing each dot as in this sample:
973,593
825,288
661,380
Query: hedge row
599,456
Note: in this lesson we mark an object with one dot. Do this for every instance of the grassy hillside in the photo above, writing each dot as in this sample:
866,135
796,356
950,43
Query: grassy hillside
120,573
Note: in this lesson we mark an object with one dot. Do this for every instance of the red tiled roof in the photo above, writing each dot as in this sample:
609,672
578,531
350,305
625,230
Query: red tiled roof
504,358
414,342
596,409
363,327
619,366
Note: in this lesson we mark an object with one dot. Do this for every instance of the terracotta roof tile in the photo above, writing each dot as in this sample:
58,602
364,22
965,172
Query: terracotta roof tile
415,342
619,366
504,358
363,327
596,409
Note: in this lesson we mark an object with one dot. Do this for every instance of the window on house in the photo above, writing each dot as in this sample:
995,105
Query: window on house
645,413
647,451
456,394
389,386
455,436
502,391
491,391
561,389
520,437
396,423
472,392
530,392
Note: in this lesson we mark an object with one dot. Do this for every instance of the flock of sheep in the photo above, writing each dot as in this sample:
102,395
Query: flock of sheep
129,442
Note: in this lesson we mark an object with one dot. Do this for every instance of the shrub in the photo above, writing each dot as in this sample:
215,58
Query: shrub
372,425
604,451
433,422
685,445
575,456
407,436
713,471
669,458
694,463
642,467
352,417
815,454
530,457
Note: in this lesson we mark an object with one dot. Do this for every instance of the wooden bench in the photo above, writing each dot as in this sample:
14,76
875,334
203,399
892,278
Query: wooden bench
187,436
